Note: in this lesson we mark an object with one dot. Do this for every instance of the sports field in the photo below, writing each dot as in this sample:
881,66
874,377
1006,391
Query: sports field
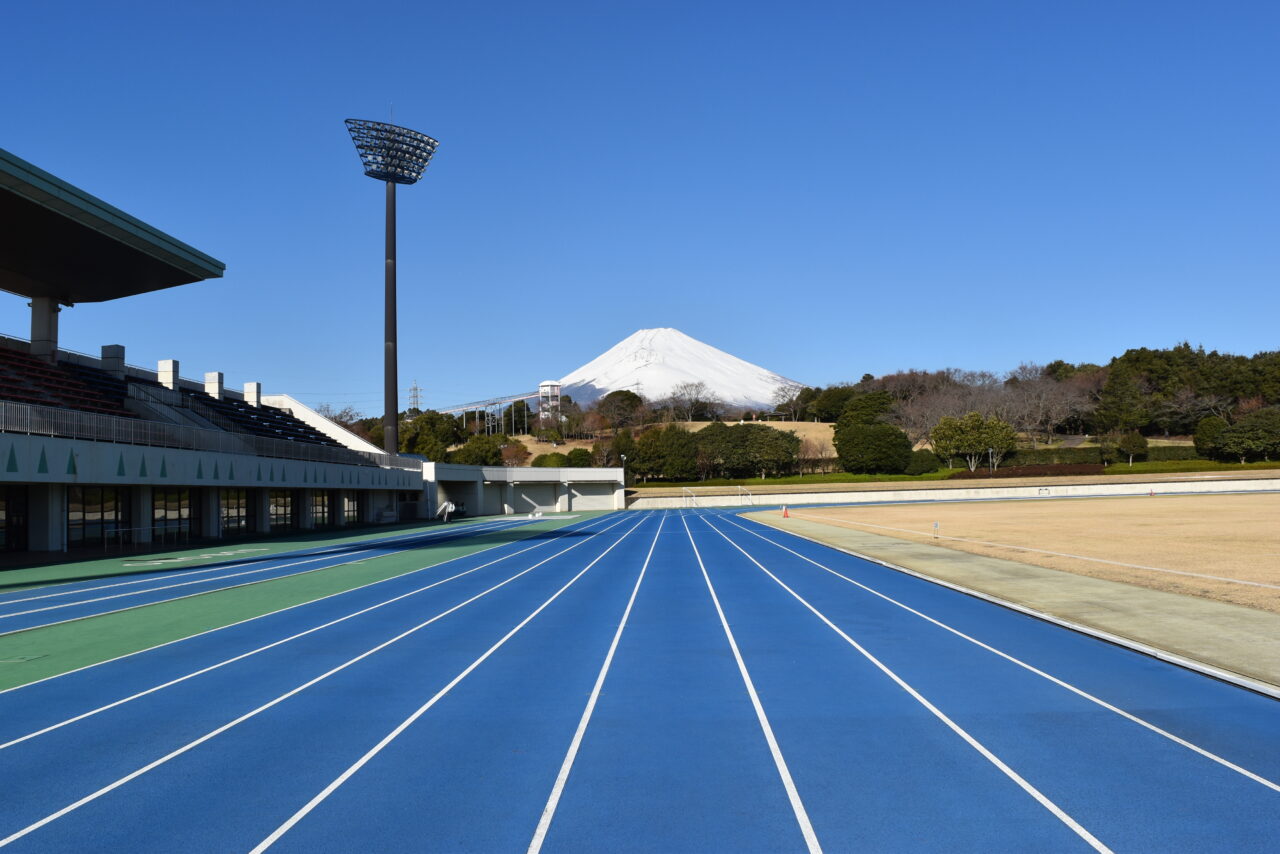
1224,547
681,681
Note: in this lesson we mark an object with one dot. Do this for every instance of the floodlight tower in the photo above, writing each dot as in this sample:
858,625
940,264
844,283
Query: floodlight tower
398,156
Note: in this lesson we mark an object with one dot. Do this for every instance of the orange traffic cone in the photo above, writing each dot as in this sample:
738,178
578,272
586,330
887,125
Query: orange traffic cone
785,514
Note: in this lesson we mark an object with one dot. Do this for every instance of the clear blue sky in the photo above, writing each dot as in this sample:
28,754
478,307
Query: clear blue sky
825,189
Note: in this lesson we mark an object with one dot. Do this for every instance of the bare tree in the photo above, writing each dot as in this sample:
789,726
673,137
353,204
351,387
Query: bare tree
688,400
786,398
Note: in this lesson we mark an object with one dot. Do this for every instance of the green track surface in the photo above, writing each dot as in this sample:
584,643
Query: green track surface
204,555
58,649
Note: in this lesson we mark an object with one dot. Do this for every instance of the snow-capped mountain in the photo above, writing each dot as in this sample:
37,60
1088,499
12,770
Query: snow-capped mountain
652,362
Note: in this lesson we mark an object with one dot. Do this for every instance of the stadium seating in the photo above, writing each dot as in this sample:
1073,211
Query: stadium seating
26,379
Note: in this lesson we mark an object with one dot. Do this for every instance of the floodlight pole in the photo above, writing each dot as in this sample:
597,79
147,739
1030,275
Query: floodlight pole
391,380
395,155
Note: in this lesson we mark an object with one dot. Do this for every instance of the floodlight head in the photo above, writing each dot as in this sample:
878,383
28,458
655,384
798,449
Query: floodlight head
391,153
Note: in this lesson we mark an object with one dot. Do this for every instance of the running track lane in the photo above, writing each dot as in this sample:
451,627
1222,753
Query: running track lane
1129,787
262,745
25,614
27,710
873,766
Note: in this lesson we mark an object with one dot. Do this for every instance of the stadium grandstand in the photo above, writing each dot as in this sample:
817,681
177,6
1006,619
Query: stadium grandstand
95,452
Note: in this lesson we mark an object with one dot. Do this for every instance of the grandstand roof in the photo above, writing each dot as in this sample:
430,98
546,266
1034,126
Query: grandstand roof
58,241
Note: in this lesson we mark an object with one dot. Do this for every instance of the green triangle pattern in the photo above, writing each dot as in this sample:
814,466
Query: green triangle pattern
43,466
215,470
199,470
231,471
120,465
142,467
304,476
71,462
259,471
13,460
273,473
164,467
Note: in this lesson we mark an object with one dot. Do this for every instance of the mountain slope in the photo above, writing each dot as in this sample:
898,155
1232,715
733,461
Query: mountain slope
652,362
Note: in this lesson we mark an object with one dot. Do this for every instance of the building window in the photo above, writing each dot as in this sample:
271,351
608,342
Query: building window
237,519
13,518
320,509
281,509
170,515
98,515
351,508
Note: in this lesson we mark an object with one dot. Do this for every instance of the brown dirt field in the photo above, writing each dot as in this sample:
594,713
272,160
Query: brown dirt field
1233,537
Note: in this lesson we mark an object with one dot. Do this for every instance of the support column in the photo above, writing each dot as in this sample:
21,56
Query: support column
619,497
260,507
113,360
475,507
47,517
211,513
44,327
337,508
140,512
306,521
167,373
391,382
508,498
562,497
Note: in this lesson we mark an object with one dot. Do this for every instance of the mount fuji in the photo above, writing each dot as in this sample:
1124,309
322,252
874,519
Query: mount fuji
652,362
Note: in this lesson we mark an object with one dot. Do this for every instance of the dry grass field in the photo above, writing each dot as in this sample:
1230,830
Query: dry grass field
1223,547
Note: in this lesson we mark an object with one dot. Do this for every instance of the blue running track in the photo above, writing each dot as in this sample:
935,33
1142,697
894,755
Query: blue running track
665,681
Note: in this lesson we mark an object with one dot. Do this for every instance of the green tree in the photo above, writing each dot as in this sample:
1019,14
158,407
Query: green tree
1209,435
973,437
871,448
1122,405
869,407
923,462
1255,435
480,450
1132,444
578,458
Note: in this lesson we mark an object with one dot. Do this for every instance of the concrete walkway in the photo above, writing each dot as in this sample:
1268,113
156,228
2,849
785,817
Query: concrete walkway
1228,641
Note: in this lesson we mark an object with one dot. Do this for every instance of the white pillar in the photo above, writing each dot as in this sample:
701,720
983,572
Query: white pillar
167,373
619,497
253,394
213,384
44,328
508,498
211,513
562,497
113,360
306,521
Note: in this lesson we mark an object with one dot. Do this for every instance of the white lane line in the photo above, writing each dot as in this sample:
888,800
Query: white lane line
271,645
352,548
396,549
1031,790
797,806
549,811
191,745
1043,551
1226,763
583,527
421,710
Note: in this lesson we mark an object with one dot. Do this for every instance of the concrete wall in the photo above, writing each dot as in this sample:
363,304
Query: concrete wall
985,493
41,459
591,496
497,490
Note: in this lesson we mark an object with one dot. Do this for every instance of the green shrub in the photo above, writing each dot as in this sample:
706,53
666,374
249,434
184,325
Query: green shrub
1032,471
553,460
871,448
1208,434
923,462
1170,453
579,458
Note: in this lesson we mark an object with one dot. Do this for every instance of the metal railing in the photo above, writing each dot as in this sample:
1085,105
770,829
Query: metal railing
38,420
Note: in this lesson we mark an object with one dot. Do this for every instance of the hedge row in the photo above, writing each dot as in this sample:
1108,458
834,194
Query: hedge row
1089,456
1032,471
1166,453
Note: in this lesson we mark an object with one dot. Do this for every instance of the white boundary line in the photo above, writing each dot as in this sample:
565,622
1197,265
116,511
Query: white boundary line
1031,790
110,787
1221,674
233,564
549,811
584,526
421,710
1031,668
1040,551
797,806
271,645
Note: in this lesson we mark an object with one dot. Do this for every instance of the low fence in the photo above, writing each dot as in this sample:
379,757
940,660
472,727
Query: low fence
975,493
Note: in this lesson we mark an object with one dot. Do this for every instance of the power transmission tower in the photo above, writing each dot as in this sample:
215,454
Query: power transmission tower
415,396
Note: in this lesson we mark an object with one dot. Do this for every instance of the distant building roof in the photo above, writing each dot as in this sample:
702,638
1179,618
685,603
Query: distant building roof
58,241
